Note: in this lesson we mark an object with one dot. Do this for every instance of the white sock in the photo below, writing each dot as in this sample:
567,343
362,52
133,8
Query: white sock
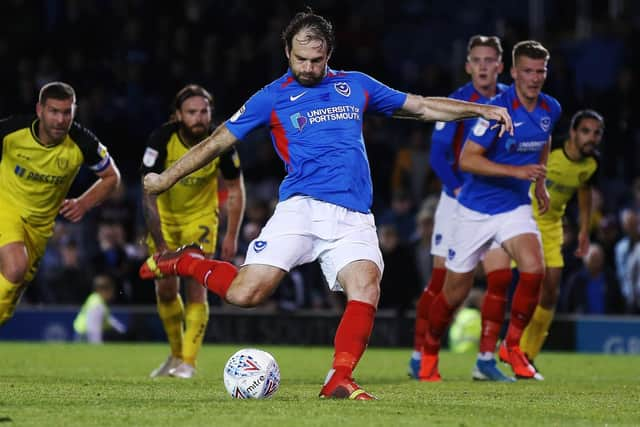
487,355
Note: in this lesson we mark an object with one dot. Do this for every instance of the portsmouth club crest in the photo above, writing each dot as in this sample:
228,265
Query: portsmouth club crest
545,123
298,121
259,245
342,88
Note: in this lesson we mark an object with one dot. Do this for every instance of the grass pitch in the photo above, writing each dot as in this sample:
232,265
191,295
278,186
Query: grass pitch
83,385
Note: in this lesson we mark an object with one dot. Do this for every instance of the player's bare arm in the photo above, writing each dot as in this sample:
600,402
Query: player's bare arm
447,109
540,189
474,160
74,209
152,219
584,213
235,211
198,156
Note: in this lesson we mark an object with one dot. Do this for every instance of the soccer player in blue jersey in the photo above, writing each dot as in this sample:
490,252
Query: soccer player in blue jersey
314,114
494,206
483,64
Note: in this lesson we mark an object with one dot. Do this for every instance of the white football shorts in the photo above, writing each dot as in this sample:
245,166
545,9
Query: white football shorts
303,229
475,232
443,225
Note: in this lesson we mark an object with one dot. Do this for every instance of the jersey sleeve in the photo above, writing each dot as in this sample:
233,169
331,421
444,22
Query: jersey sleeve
441,141
96,155
254,113
482,132
380,97
230,164
155,153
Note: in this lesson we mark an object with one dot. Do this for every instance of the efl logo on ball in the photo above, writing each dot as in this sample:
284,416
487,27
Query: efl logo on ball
251,374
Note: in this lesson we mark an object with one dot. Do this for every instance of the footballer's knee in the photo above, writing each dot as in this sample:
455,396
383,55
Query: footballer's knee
246,295
457,286
250,290
549,297
253,285
361,281
15,273
368,292
167,289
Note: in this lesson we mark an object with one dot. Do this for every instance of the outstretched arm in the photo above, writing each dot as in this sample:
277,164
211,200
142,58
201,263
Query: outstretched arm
446,109
198,156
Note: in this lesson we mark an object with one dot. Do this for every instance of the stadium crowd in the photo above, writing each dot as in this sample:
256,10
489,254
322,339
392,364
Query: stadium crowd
126,60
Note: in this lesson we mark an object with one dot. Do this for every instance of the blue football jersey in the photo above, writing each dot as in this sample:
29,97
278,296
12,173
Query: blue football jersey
532,130
448,138
317,132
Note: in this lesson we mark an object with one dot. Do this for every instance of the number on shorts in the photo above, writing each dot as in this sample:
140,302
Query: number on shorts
204,237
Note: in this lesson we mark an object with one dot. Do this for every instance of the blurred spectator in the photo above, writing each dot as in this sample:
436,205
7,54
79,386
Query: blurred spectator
422,243
411,170
594,288
117,209
607,235
112,258
94,318
71,281
631,291
401,214
464,333
627,258
400,283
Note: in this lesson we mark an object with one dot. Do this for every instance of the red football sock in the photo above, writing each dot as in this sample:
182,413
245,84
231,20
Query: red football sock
352,336
524,303
440,317
493,307
214,275
424,303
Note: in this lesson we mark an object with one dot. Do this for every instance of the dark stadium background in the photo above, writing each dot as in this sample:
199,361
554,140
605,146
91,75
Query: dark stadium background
126,60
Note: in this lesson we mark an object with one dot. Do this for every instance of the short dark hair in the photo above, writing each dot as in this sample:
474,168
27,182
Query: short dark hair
531,49
318,27
488,41
56,90
579,116
189,91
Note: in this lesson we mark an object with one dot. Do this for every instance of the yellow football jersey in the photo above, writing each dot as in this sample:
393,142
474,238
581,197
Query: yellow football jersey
194,196
564,177
35,178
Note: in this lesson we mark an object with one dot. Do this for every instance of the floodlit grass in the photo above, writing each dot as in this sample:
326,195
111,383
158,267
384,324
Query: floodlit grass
82,385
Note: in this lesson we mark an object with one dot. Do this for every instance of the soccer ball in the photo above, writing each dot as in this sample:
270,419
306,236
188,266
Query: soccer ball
251,374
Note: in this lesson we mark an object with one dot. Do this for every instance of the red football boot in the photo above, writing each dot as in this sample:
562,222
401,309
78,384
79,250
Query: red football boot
429,368
344,388
165,264
520,365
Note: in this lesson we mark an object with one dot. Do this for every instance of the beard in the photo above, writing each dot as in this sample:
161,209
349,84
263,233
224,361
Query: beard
56,135
587,150
195,133
306,79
